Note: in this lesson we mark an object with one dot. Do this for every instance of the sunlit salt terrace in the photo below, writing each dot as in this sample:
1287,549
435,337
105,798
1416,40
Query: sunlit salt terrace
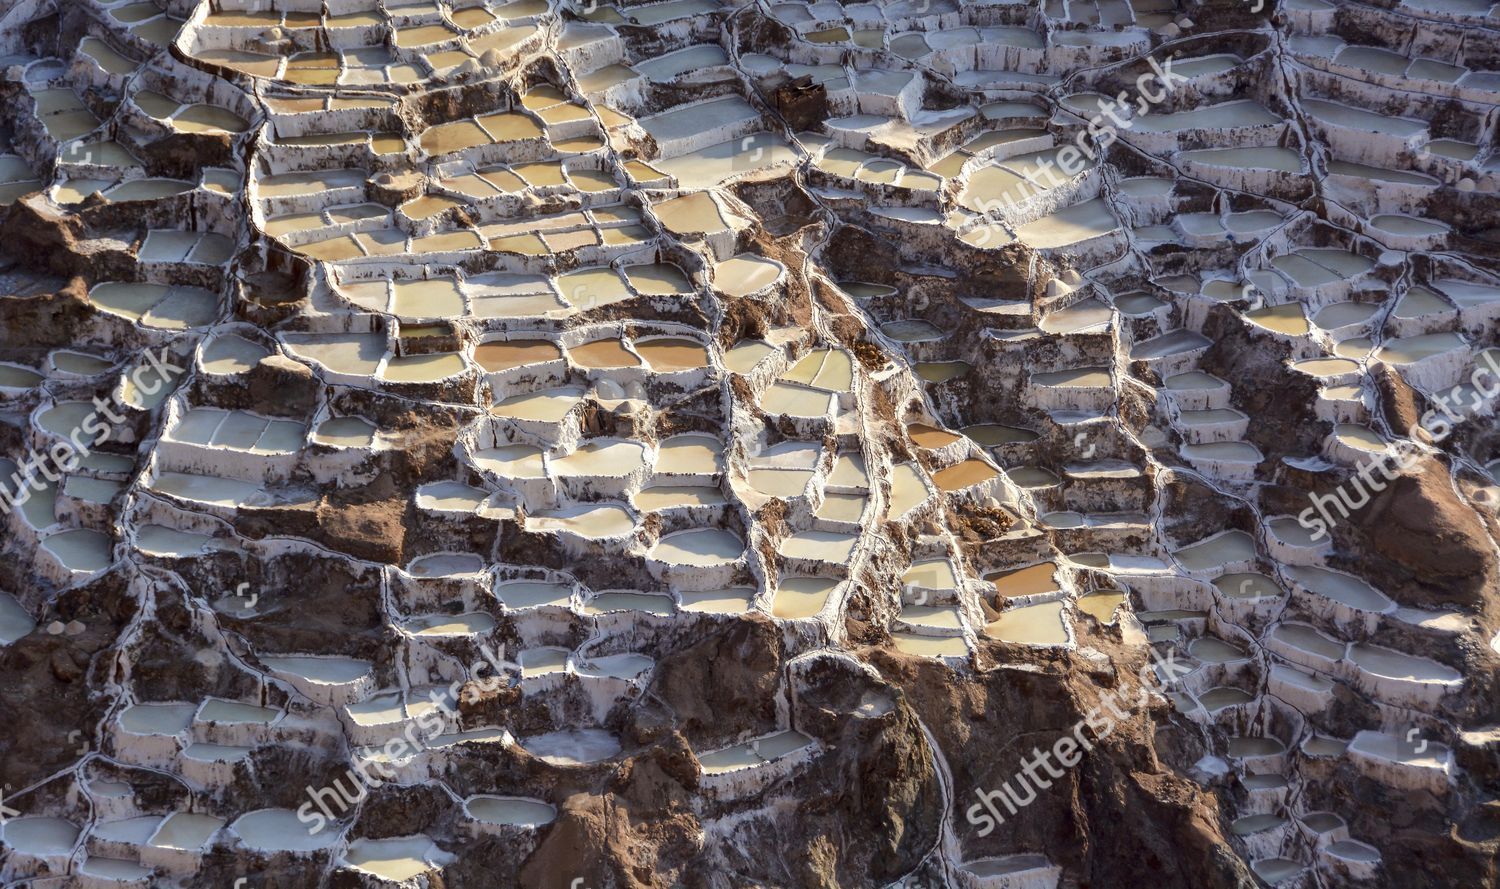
585,407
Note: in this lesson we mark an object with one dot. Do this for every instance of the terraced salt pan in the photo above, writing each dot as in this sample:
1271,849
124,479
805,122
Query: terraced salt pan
1032,478
445,565
911,331
573,747
627,666
186,832
588,521
931,574
280,830
820,546
1224,698
80,550
1412,349
450,497
470,624
1269,158
674,64
931,646
746,273
328,680
648,603
1173,343
656,498
345,432
1212,117
39,836
908,489
1211,650
991,435
396,859
753,753
1043,623
15,621
1362,119
670,354
16,377
1028,870
1470,296
1286,319
548,406
941,371
963,475
932,618
1027,581
1248,586
1301,638
690,454
1078,317
775,482
512,462
190,118
1390,664
1400,763
1102,604
727,601
601,457
698,548
1344,589
1216,552
510,810
801,597
156,305
542,661
533,594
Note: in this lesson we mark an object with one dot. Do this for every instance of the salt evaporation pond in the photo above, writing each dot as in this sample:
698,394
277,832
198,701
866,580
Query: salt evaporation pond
1041,624
573,747
510,810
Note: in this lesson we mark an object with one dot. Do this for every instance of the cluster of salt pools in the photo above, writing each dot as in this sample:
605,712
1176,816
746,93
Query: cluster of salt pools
364,46
1337,295
1323,296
